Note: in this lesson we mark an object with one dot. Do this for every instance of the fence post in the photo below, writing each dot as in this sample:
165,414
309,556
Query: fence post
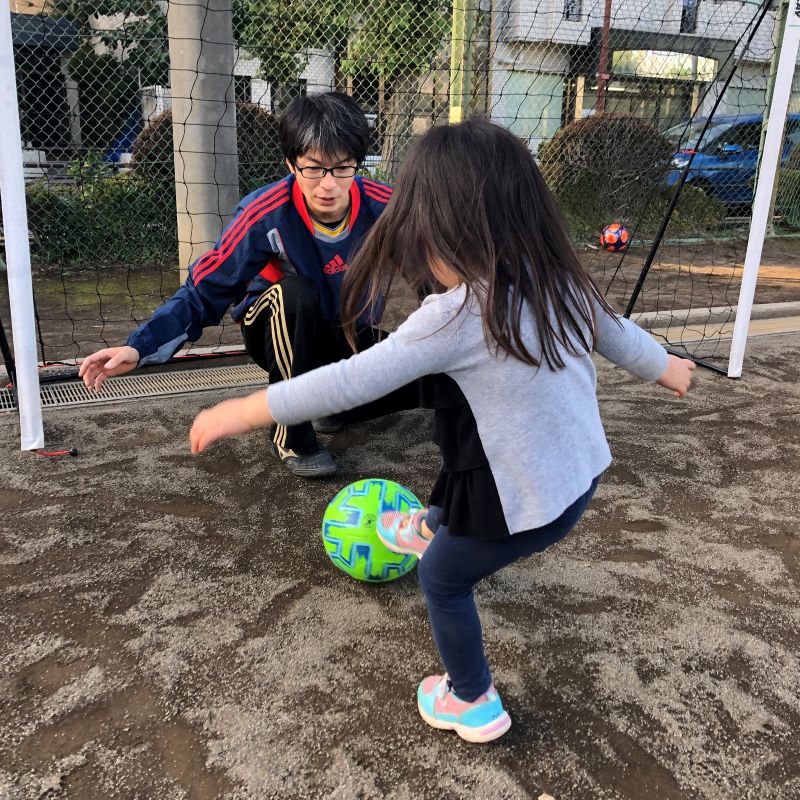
461,58
18,254
782,13
766,178
203,122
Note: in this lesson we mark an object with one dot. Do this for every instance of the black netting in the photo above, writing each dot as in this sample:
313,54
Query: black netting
611,107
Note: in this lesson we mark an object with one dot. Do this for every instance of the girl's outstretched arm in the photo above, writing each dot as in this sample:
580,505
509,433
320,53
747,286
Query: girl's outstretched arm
624,343
424,344
230,418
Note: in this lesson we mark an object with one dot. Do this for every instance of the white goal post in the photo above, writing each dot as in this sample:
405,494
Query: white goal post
767,175
17,246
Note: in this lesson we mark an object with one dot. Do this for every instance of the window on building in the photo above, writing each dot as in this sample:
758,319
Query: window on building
572,10
243,88
689,16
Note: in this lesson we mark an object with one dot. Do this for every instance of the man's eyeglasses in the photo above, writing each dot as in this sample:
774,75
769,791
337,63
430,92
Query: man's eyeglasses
320,172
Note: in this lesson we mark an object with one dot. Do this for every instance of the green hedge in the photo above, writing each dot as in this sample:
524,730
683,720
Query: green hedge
258,146
119,219
788,200
610,168
131,217
697,213
605,163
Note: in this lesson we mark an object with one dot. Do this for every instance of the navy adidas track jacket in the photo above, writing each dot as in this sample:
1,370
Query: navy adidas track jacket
270,236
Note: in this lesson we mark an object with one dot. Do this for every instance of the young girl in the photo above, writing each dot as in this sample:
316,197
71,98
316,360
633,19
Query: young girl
505,342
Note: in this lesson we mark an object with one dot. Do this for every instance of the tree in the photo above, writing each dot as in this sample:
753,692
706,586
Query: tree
138,37
397,41
135,54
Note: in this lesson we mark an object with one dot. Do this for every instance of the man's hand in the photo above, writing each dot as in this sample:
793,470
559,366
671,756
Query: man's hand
678,375
107,363
230,418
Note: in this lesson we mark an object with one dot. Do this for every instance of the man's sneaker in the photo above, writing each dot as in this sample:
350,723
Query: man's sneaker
480,721
330,424
317,463
404,533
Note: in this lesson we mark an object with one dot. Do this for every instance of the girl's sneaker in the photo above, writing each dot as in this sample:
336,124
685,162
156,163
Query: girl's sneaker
405,533
480,721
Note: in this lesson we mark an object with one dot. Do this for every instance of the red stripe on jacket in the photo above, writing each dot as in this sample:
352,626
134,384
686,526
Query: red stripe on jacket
355,203
378,197
378,188
272,272
235,235
204,260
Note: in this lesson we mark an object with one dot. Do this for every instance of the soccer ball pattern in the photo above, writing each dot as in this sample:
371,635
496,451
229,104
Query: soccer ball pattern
614,237
348,529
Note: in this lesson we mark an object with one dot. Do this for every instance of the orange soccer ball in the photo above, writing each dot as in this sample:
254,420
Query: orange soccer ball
614,237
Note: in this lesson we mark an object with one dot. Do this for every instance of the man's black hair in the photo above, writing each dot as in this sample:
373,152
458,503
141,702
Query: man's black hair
332,124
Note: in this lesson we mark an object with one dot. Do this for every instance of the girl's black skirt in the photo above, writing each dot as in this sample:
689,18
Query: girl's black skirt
465,489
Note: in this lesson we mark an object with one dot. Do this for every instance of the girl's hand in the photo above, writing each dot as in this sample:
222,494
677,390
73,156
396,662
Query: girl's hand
230,418
678,375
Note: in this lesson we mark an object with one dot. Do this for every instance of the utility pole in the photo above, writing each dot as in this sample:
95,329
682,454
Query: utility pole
461,58
603,75
203,123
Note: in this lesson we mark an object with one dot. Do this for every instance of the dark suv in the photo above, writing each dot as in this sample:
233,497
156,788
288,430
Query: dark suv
725,161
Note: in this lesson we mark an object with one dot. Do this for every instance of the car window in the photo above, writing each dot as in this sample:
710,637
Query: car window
793,133
747,136
686,138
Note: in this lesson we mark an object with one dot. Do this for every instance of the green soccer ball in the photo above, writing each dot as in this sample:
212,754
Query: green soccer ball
348,530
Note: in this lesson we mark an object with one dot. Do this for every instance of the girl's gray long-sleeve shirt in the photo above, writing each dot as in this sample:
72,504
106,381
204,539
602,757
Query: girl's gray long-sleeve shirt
540,429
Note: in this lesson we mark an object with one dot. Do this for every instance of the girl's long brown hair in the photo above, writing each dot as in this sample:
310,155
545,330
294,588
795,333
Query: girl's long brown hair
471,197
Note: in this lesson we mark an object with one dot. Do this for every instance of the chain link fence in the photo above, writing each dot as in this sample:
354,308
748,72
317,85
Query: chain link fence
611,99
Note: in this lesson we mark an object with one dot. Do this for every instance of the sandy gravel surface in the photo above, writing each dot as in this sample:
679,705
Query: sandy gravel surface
172,628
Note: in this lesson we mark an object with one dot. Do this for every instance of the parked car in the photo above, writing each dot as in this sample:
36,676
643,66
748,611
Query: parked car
725,160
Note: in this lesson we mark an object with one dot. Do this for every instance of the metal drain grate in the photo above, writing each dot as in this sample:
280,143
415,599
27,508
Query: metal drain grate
7,400
131,387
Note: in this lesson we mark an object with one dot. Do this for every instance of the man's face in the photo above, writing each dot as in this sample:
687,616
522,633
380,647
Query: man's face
327,198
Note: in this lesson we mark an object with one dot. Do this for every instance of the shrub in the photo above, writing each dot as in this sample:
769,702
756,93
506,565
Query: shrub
90,168
131,217
788,199
55,221
793,162
260,158
611,168
697,213
604,168
120,219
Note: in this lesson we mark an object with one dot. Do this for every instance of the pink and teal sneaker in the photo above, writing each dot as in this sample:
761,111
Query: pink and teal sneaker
405,533
480,721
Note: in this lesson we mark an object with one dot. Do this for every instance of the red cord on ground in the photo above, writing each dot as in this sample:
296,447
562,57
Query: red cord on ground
73,451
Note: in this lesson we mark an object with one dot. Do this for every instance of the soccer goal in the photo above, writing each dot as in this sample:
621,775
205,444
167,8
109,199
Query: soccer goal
134,128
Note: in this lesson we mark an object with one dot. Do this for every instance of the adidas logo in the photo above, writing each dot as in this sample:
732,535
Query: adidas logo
334,265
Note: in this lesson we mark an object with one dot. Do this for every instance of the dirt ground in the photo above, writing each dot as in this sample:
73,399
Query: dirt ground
80,310
698,275
172,627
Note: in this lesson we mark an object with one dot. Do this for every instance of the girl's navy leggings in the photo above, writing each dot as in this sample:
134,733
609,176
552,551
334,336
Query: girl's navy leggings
448,572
